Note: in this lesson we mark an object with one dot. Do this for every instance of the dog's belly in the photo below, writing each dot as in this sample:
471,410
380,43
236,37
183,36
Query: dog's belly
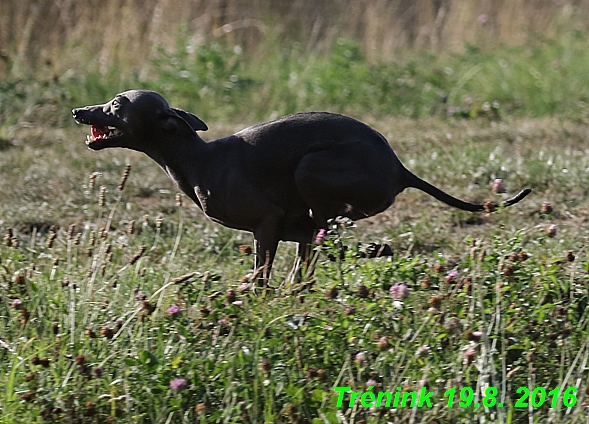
229,223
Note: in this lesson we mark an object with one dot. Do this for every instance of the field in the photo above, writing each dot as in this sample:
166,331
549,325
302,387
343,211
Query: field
121,302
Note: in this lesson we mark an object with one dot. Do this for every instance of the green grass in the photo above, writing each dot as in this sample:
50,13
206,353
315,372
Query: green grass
214,81
547,77
92,339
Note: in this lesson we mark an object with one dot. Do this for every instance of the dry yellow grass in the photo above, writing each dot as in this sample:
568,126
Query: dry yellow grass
59,35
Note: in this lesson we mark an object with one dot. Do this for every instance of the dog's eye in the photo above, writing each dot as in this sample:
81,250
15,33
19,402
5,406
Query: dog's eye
116,104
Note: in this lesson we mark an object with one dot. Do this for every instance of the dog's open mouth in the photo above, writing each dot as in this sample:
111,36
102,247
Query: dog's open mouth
103,132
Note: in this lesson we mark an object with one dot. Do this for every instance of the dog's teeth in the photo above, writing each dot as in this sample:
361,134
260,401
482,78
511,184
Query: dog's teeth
112,132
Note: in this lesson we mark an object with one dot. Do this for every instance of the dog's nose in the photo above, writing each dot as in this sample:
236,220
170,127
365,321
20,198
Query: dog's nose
78,115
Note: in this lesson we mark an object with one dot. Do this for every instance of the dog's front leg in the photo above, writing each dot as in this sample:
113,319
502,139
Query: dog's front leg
267,237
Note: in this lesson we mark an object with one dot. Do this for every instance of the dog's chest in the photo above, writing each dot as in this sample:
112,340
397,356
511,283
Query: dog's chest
220,209
211,201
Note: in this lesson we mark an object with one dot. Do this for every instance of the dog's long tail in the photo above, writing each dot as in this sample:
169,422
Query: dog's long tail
416,182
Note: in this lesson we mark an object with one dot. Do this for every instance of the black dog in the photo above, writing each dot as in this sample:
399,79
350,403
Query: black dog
281,180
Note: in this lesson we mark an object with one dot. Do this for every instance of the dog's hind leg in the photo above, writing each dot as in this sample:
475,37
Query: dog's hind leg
296,274
301,231
332,183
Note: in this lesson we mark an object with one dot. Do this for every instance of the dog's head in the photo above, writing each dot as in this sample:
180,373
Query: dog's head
135,119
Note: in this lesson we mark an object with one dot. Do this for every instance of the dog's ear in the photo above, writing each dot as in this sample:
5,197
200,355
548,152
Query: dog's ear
193,120
175,120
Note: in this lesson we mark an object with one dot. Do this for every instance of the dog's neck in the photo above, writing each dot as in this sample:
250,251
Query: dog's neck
183,161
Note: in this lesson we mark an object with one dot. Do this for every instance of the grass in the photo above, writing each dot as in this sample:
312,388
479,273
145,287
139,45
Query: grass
89,328
545,77
97,311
